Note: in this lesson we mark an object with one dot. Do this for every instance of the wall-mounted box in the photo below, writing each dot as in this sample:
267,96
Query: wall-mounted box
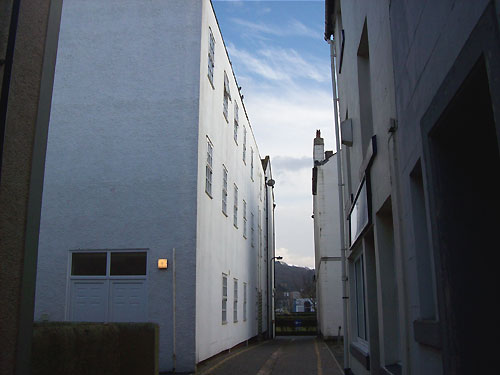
346,132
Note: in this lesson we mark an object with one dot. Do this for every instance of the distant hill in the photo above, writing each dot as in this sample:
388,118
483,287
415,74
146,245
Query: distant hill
293,278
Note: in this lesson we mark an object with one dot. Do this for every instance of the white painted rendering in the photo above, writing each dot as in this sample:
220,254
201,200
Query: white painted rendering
131,112
221,247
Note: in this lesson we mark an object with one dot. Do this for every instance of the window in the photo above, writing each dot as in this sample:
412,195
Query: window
244,145
224,299
128,263
208,170
235,302
227,97
236,125
211,56
235,213
259,233
244,219
244,302
423,254
252,231
359,285
260,183
121,263
88,264
251,164
224,190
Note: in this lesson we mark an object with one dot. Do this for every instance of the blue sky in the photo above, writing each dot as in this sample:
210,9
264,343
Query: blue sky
282,64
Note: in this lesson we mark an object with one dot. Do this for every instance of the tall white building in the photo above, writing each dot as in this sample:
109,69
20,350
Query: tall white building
155,204
327,242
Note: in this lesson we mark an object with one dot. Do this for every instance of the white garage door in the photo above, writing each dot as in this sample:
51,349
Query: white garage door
108,286
128,301
89,300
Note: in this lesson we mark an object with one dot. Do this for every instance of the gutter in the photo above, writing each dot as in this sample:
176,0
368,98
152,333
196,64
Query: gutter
331,42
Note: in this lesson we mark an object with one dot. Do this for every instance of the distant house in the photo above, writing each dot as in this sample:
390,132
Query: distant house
303,305
327,242
155,202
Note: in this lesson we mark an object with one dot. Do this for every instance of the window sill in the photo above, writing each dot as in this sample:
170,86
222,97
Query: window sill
361,353
210,196
223,213
427,332
394,369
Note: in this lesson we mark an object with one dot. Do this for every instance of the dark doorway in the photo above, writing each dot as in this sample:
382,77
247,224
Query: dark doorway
465,166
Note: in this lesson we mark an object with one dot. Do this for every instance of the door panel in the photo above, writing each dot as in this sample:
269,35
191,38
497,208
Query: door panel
89,300
128,301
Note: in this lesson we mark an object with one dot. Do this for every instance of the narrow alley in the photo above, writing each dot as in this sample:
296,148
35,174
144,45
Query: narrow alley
282,356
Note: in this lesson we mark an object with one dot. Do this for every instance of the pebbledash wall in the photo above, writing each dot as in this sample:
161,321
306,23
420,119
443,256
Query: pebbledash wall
132,113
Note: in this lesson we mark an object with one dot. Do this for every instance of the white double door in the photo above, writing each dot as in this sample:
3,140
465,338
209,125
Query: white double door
108,300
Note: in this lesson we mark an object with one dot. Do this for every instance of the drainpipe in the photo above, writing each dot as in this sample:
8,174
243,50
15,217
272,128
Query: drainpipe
341,205
174,291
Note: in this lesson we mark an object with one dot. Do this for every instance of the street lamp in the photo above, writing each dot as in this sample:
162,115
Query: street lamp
274,270
272,308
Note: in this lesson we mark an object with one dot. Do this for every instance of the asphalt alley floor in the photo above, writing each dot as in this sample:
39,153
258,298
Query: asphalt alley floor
285,355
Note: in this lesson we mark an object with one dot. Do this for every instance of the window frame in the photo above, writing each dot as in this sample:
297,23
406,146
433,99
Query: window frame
236,123
108,275
235,207
235,301
209,168
224,299
226,98
244,219
224,189
244,145
251,164
252,229
359,270
211,57
245,304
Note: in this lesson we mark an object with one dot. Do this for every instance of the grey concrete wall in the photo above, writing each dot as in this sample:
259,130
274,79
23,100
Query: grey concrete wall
27,75
122,153
427,38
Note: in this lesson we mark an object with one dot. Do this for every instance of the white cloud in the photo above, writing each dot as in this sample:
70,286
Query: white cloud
291,163
279,64
294,259
292,28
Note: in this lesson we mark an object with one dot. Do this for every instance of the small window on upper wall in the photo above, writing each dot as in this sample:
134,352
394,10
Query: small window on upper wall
211,56
236,123
251,163
244,144
208,169
227,97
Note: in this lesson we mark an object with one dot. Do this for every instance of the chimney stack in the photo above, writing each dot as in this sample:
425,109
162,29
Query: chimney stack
319,147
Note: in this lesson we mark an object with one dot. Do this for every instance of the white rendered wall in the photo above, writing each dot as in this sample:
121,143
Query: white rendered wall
221,247
327,246
121,168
